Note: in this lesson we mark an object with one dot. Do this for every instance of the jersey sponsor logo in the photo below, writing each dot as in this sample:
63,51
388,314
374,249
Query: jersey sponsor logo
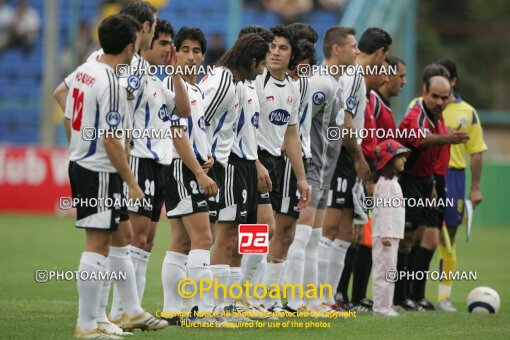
250,101
164,116
318,98
133,82
113,118
279,117
350,103
255,119
270,98
289,99
194,102
201,123
202,204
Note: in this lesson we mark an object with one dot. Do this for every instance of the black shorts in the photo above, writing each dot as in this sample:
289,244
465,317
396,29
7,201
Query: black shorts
274,166
216,203
418,189
151,179
241,194
439,210
183,195
95,190
289,189
344,178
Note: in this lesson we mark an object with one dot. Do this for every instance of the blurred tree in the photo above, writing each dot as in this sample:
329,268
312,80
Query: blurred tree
474,34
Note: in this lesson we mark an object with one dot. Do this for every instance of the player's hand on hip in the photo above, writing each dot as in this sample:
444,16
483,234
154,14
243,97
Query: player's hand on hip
476,197
305,192
135,193
207,184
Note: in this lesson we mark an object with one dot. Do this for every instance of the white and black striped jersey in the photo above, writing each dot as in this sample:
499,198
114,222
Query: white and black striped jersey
305,115
279,106
354,97
245,129
95,101
152,118
195,124
221,110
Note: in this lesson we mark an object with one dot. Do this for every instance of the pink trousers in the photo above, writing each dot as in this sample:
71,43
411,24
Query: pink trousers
384,259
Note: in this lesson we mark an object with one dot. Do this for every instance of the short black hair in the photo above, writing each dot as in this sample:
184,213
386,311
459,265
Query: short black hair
394,61
142,11
285,32
162,27
306,50
263,32
335,35
191,33
450,66
373,39
434,70
304,31
116,32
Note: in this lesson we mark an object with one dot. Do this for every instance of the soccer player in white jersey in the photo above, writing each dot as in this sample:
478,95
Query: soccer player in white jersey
338,231
188,185
340,49
241,194
145,14
223,114
279,100
97,168
153,114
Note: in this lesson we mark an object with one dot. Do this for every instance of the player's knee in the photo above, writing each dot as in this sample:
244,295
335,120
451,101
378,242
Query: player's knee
330,231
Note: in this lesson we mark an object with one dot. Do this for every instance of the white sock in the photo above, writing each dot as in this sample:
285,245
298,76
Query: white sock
221,272
444,289
199,261
235,279
103,301
272,275
89,291
311,275
337,252
140,260
244,258
295,268
251,263
323,258
120,262
172,272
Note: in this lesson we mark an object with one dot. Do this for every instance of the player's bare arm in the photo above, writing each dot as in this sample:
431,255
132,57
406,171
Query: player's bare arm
184,150
453,137
351,144
60,95
293,150
264,181
117,156
476,173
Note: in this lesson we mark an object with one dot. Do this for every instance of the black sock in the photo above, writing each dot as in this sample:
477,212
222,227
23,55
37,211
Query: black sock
343,286
421,264
361,263
401,284
410,265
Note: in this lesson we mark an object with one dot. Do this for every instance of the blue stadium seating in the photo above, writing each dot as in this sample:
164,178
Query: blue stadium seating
20,76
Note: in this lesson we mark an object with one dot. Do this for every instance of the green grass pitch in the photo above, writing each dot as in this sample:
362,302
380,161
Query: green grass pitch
30,310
